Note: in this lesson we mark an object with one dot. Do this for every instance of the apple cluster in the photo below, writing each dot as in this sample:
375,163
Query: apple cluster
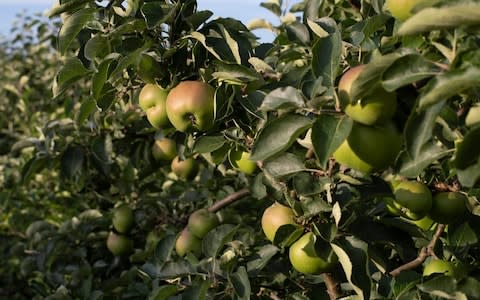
306,254
117,241
374,141
190,238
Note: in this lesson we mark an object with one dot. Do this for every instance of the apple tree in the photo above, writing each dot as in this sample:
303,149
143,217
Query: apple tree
187,159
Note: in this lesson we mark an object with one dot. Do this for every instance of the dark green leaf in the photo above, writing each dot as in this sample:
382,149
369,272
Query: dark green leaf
66,6
467,151
72,26
442,286
261,258
429,153
72,71
216,239
96,47
207,144
297,31
33,167
283,98
405,282
72,161
163,292
241,283
461,235
284,165
100,77
273,7
306,184
279,135
156,13
234,74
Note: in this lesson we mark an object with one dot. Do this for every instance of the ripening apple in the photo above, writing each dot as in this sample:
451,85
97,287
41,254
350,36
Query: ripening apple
152,99
377,107
240,160
305,258
122,219
448,207
413,198
164,149
402,9
274,217
184,169
191,106
439,266
369,148
201,222
187,242
119,244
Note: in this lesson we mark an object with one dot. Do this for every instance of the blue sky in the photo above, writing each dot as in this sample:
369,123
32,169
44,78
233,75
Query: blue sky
243,10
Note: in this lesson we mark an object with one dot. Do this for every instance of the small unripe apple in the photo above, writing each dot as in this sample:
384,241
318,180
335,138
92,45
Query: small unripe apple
439,266
201,222
402,9
304,256
274,217
448,207
187,242
240,160
164,149
184,169
414,198
122,219
119,244
191,106
152,99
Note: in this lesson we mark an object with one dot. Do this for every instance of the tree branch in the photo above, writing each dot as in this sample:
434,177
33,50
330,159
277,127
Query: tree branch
333,286
228,200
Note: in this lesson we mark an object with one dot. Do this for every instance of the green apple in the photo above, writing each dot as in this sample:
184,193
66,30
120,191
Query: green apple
152,99
184,169
305,256
448,207
240,160
377,107
369,148
414,199
402,9
201,222
191,106
164,149
274,217
187,242
425,223
439,266
119,244
122,219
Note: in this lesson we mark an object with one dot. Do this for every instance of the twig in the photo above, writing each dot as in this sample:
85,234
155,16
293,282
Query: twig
333,287
228,200
435,238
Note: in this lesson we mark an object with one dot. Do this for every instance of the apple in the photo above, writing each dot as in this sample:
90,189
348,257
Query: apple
191,106
164,149
184,169
413,198
448,207
369,148
274,217
425,223
152,99
122,219
377,107
439,266
305,258
240,160
201,222
119,244
187,242
402,9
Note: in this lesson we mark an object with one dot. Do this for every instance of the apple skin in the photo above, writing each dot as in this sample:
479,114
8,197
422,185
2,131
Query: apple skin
439,266
448,207
191,106
187,242
122,219
305,259
119,244
369,148
201,222
152,99
185,169
240,160
414,199
402,9
274,217
164,149
375,108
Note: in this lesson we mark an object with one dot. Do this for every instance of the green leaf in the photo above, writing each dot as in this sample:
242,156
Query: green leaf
405,282
450,16
216,239
328,133
164,248
448,84
429,153
234,74
163,292
441,286
284,165
273,6
279,135
33,167
72,71
66,6
72,161
156,13
407,70
353,252
283,98
326,52
469,176
207,144
232,44
297,31
241,283
461,235
261,258
72,26
306,184
467,151
96,47
101,76
198,18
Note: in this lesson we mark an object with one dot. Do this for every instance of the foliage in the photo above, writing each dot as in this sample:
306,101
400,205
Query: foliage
74,144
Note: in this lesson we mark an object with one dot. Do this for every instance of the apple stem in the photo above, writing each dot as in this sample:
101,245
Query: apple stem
191,117
229,200
424,253
333,286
